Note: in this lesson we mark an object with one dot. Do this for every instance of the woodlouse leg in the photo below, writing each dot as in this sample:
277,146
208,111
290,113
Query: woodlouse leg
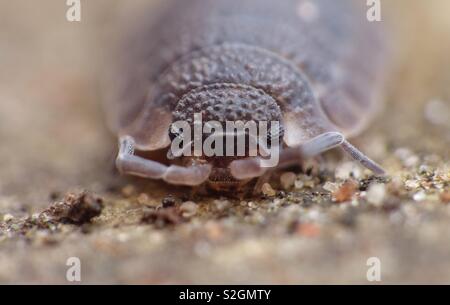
362,158
247,168
128,163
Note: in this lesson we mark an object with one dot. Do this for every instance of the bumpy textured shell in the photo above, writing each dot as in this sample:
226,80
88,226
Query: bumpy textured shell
320,60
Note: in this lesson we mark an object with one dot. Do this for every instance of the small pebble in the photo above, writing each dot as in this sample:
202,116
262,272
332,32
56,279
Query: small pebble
268,190
299,184
8,217
330,187
345,192
445,196
287,180
376,194
412,184
420,196
188,209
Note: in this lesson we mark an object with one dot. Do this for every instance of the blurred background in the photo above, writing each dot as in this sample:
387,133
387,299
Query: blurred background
54,139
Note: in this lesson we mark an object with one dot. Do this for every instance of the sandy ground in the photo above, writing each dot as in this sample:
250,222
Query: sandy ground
321,229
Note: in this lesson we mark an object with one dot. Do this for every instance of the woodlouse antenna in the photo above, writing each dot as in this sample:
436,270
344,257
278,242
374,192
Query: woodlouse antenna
254,167
321,144
330,140
362,158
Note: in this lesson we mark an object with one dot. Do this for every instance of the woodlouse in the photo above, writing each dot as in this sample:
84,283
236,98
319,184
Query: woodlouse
314,65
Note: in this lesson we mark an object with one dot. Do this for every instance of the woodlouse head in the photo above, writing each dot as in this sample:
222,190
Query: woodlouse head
224,104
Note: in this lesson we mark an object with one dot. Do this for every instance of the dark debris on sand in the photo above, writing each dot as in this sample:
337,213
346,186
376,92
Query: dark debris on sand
76,208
